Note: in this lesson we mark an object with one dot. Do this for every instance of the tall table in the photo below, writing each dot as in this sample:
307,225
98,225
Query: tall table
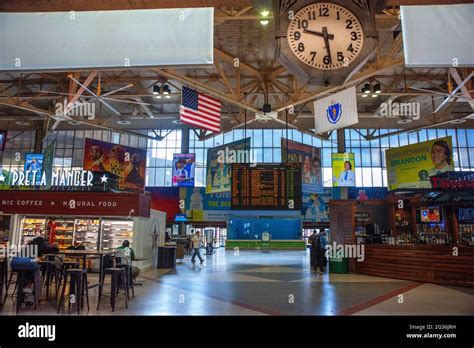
84,254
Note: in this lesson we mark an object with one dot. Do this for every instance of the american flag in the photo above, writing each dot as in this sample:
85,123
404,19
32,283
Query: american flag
200,110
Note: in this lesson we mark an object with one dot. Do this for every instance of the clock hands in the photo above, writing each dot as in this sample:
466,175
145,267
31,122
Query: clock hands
326,42
318,33
324,34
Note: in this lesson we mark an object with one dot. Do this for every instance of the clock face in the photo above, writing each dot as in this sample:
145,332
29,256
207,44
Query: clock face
325,36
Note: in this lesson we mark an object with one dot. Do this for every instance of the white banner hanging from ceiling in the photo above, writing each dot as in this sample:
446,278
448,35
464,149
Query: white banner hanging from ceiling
338,110
106,39
438,36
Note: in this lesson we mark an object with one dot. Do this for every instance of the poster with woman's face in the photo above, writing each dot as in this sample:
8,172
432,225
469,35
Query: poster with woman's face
128,163
310,158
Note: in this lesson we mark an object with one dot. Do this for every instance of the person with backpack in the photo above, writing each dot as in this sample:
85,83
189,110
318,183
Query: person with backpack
312,251
319,244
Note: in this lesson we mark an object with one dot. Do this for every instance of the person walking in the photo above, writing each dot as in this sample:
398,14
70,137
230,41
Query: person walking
196,244
319,245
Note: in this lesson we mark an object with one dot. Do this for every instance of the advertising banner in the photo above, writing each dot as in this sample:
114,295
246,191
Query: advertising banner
34,162
128,163
48,162
202,206
343,170
183,169
412,166
316,206
310,159
219,160
165,199
339,110
366,193
3,141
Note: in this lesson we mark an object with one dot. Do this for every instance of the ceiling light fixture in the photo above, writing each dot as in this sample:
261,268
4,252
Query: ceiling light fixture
264,22
156,89
366,89
377,88
22,123
166,89
123,122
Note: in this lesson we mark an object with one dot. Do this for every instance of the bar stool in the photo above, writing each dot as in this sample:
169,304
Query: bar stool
129,278
116,275
48,269
65,266
9,282
78,286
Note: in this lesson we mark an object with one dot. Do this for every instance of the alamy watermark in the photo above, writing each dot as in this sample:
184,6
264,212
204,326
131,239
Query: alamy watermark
349,251
28,251
394,109
229,156
77,109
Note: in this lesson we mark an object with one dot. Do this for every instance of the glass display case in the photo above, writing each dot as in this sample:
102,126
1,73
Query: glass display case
32,227
86,233
114,232
63,231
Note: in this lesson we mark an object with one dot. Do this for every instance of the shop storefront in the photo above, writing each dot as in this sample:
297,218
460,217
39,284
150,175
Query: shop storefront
97,221
420,235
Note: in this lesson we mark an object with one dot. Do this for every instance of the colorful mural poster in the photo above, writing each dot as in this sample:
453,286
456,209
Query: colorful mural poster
183,169
412,166
316,206
343,170
310,159
219,160
128,163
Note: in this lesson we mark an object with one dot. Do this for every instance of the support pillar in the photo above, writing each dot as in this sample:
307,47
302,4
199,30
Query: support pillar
341,148
184,149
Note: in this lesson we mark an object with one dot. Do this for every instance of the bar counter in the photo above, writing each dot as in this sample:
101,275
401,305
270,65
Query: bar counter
423,263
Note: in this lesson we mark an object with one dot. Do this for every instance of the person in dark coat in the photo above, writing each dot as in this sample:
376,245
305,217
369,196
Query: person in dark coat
319,244
312,251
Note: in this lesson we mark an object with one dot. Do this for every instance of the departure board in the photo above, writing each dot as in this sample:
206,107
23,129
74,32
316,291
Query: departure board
266,186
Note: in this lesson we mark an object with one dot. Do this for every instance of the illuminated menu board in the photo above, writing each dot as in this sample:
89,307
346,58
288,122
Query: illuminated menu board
266,186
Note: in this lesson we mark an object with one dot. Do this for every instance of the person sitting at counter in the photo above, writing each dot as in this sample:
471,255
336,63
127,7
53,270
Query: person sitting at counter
130,256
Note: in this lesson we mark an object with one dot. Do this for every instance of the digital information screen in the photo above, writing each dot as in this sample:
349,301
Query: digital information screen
266,186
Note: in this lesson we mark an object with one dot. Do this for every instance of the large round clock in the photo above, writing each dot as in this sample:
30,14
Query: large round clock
325,36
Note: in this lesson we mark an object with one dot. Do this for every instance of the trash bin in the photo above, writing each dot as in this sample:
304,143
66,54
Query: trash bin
339,265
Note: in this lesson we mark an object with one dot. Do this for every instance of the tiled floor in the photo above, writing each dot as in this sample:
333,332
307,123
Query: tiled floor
275,283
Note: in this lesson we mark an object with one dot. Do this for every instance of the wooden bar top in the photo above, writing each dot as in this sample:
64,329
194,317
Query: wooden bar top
441,264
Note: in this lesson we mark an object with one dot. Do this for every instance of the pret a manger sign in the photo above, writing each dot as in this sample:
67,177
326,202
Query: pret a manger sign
75,178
